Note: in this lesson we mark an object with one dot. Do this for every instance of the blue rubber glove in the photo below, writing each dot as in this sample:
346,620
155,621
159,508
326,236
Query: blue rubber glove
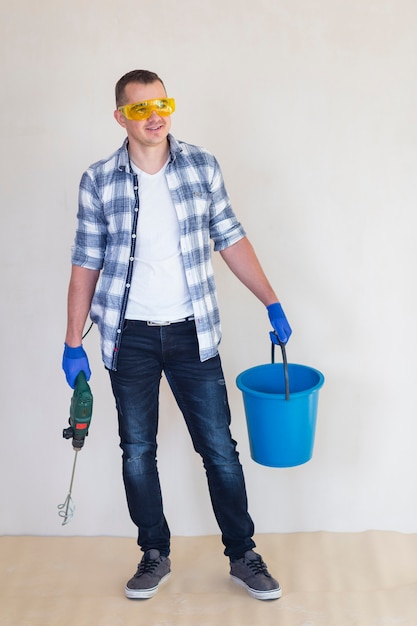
279,323
74,361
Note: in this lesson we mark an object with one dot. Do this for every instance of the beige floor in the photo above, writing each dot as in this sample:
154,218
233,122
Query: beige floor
328,579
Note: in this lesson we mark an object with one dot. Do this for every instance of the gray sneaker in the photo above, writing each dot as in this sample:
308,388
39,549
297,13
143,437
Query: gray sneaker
153,570
251,572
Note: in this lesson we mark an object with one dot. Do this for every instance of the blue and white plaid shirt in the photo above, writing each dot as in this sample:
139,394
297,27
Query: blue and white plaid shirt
106,236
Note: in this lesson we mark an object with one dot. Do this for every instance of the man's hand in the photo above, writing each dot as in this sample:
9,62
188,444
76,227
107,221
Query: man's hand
74,361
279,323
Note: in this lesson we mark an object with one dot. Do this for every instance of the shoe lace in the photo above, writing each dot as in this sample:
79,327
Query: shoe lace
147,566
258,566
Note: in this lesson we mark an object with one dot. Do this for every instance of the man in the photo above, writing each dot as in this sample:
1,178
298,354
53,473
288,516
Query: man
145,221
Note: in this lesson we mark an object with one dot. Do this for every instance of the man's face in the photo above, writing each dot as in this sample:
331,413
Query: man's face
152,131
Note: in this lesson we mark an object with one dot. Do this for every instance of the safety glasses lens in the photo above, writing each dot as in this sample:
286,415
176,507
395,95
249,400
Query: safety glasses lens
143,110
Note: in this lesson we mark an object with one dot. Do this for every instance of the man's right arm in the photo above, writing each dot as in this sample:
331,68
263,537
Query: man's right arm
80,294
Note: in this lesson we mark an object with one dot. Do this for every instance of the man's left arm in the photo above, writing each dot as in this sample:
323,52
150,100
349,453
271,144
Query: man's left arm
243,262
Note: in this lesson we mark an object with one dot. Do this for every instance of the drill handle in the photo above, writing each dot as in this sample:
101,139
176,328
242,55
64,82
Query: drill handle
81,410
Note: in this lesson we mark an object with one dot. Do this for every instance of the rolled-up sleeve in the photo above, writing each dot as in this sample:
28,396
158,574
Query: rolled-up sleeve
225,228
90,237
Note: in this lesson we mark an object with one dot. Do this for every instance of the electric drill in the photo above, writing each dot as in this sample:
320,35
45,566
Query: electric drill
81,410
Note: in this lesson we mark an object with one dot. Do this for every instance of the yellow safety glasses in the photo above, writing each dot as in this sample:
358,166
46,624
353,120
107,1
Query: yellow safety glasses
142,110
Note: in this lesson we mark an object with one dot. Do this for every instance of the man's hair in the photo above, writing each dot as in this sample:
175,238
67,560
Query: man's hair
135,76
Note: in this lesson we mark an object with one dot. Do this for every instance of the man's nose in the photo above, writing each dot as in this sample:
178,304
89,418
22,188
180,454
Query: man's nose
154,115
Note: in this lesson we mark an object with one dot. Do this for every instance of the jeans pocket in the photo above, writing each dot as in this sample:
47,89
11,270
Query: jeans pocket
125,325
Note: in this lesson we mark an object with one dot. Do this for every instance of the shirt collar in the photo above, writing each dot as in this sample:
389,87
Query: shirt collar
124,161
174,147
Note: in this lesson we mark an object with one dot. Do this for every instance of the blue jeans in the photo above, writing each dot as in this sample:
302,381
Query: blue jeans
200,392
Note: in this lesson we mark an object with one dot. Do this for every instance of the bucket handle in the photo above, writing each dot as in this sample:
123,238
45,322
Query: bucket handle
284,360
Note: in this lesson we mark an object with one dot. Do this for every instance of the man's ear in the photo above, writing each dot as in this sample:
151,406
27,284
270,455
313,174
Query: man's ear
120,118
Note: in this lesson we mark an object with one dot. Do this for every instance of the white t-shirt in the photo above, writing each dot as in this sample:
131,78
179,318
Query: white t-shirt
158,289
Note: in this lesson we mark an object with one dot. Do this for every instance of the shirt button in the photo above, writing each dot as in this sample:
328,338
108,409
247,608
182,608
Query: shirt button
133,236
119,330
127,285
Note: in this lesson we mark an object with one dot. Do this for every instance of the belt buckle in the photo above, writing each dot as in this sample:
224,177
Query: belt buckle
150,323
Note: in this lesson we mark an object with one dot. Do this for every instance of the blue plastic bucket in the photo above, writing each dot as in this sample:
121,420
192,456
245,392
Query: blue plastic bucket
281,432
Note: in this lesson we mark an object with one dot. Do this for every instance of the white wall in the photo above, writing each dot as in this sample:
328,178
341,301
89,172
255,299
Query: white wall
311,109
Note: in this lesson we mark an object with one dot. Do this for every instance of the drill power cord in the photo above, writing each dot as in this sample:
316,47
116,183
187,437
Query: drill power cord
87,331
